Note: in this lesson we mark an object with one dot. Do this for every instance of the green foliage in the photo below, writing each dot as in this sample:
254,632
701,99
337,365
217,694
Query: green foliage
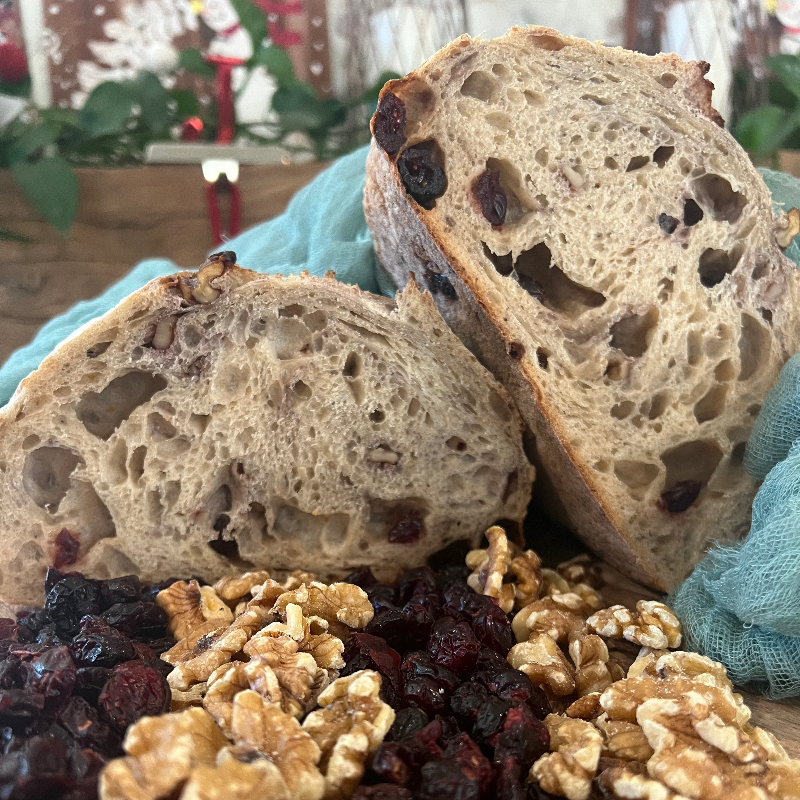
52,189
20,89
253,21
191,59
773,127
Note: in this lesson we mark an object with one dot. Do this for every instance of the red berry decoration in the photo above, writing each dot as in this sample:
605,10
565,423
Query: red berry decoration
13,63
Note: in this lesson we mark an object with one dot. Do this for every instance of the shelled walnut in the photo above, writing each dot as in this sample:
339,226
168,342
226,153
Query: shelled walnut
349,726
193,609
336,602
542,661
568,770
652,624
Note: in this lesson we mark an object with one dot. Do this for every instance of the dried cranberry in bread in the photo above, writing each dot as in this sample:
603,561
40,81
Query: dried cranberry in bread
220,420
588,229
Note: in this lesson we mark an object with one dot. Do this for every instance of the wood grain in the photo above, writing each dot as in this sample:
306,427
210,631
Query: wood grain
125,215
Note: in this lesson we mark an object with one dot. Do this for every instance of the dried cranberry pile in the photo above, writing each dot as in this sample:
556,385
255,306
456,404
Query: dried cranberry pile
73,676
467,726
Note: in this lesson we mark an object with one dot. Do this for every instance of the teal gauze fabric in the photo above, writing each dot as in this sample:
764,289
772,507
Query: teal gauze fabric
741,605
323,228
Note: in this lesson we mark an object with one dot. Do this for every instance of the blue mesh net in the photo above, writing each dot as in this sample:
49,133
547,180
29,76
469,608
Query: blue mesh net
741,605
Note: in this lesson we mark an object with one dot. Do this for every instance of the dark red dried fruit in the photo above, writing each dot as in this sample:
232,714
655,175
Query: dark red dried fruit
509,785
467,700
392,762
516,687
69,601
471,760
99,645
133,691
382,791
419,664
83,723
523,738
138,619
493,630
390,123
52,674
362,577
364,651
667,223
407,723
680,496
413,582
422,177
445,778
388,624
419,614
441,283
90,682
491,197
464,603
453,645
426,693
126,589
66,548
408,528
490,718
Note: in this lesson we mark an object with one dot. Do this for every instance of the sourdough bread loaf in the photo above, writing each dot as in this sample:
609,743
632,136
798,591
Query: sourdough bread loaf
223,420
593,235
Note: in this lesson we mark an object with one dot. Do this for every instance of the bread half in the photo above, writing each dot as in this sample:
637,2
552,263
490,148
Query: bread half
593,235
223,420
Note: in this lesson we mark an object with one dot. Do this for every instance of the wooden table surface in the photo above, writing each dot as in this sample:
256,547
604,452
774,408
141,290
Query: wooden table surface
128,215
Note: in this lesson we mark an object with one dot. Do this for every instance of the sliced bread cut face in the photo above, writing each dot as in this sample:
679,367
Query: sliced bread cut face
223,420
609,252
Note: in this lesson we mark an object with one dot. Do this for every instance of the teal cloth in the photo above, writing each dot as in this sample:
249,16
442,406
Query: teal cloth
741,605
323,228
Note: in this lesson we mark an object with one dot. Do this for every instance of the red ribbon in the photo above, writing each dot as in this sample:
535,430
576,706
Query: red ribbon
213,191
284,7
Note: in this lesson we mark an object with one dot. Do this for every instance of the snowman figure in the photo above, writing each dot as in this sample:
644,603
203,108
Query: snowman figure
788,13
254,90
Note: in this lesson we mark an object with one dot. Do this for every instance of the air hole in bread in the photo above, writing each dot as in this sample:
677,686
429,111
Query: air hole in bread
397,521
658,404
760,270
160,428
136,464
637,162
623,409
377,416
665,287
519,202
711,404
766,315
534,98
694,347
662,155
368,335
500,120
102,412
542,157
46,475
615,370
611,163
692,213
482,86
97,349
632,334
293,310
30,441
413,407
695,460
499,406
454,443
542,357
301,390
724,371
754,346
310,530
198,423
548,284
356,388
714,265
601,101
315,321
636,475
715,194
503,264
352,366
228,548
667,79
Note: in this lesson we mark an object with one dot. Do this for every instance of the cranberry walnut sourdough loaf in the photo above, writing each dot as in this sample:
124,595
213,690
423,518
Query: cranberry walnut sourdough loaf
220,420
588,229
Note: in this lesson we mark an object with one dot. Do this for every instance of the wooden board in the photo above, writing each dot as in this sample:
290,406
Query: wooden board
127,215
